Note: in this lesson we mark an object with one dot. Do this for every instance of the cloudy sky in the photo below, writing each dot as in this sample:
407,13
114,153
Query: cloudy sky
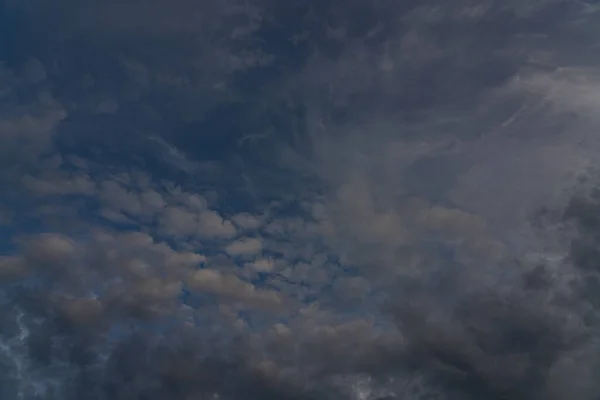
307,200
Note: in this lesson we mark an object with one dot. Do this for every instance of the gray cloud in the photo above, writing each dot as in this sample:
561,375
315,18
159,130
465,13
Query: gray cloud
337,200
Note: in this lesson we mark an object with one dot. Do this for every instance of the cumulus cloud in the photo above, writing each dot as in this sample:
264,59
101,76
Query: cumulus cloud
27,128
261,265
247,221
244,247
179,221
232,287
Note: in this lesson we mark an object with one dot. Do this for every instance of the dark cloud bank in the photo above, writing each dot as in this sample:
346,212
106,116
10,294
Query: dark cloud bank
314,200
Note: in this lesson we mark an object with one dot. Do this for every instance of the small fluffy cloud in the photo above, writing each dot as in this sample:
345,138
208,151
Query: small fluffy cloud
59,184
247,221
27,128
232,288
11,266
244,247
261,265
179,221
124,272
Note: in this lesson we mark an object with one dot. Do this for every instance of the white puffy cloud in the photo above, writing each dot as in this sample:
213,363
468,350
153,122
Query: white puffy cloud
126,272
11,266
261,265
244,247
231,288
28,127
179,221
211,224
59,184
120,199
247,221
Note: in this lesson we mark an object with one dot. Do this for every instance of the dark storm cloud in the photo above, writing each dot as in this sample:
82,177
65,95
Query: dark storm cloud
582,213
125,343
65,362
521,342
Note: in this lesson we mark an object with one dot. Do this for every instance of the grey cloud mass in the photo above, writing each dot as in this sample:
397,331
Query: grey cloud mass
354,200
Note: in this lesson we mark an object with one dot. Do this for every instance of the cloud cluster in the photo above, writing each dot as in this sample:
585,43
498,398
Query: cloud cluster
251,199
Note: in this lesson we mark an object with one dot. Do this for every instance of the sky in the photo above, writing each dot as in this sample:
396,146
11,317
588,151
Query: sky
300,200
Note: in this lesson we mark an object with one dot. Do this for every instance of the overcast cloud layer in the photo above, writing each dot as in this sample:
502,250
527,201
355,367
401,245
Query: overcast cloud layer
305,200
